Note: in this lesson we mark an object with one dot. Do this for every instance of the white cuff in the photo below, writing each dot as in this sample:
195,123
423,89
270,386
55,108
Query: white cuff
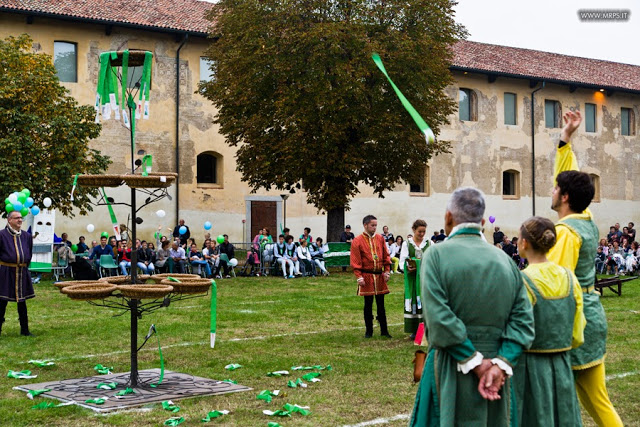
476,360
503,365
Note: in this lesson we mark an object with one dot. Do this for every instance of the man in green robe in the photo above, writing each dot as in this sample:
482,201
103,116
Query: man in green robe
478,320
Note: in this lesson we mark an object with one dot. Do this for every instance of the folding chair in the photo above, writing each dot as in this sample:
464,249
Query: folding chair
224,257
107,263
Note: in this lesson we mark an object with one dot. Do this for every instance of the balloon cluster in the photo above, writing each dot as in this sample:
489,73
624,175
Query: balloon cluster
21,201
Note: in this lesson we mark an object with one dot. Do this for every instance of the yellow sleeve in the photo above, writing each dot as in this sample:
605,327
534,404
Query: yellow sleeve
567,248
565,161
579,321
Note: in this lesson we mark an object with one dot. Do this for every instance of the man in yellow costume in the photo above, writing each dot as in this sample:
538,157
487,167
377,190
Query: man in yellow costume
577,242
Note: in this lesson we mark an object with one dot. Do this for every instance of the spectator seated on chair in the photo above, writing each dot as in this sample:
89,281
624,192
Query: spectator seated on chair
291,254
221,264
395,255
178,255
279,254
304,255
227,248
601,261
197,261
317,250
98,251
124,257
145,258
82,246
164,261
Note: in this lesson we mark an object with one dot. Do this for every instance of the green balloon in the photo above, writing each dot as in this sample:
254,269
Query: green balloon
74,248
7,201
8,207
220,239
27,192
22,197
104,234
24,212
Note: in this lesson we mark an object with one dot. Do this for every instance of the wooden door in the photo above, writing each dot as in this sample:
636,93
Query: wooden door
264,214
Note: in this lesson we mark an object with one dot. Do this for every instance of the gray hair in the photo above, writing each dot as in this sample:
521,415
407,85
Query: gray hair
466,205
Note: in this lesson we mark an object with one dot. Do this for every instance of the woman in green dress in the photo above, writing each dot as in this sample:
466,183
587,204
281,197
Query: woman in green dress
543,378
410,256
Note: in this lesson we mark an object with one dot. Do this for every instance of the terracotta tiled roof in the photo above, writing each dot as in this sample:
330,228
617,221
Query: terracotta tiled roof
172,15
538,65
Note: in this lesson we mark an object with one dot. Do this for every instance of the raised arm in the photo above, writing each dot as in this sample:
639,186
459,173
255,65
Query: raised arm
565,157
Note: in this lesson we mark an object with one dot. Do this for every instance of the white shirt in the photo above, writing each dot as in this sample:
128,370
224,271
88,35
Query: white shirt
394,249
303,253
404,253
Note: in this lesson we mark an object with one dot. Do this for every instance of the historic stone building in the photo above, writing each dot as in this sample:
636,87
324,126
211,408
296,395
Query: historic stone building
494,134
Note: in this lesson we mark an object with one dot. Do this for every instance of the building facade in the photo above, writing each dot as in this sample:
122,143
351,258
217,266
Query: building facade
497,143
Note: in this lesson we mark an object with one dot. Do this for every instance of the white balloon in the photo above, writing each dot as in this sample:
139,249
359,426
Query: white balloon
161,213
46,202
13,198
90,228
233,262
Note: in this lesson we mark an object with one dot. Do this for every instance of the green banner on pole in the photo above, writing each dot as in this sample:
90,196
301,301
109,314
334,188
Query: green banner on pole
338,255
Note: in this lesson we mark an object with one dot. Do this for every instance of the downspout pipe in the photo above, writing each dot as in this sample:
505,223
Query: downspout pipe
177,156
533,150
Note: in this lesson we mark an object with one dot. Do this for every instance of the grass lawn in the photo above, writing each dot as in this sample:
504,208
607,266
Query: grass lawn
264,324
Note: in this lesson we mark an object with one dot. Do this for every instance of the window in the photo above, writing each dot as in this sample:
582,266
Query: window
510,108
206,73
552,117
590,117
511,184
627,122
207,169
467,105
65,59
421,188
595,179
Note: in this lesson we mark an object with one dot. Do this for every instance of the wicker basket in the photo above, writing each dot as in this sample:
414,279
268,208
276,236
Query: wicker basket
100,180
136,58
158,278
151,181
145,291
89,291
62,285
125,280
189,286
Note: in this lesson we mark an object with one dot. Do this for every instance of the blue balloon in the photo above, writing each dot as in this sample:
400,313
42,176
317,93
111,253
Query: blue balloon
28,203
182,229
35,210
17,206
207,225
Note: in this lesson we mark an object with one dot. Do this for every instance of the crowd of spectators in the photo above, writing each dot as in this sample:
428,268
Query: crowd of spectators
619,252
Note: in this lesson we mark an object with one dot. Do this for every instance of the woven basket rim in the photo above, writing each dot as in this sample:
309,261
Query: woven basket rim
121,280
193,281
68,283
190,286
139,181
145,291
136,58
89,291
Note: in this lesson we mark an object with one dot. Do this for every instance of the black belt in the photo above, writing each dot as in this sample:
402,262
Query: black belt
370,271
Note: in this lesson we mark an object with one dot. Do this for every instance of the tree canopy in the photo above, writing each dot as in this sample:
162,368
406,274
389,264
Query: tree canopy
44,133
297,91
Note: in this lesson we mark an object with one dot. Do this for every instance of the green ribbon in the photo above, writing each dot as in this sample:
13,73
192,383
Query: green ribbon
75,184
302,410
297,383
213,414
407,286
273,424
107,386
307,368
230,381
102,370
277,413
422,125
214,315
232,367
168,405
114,220
41,363
47,405
125,392
125,76
98,401
146,85
174,421
267,395
277,373
21,375
153,330
311,376
147,163
33,393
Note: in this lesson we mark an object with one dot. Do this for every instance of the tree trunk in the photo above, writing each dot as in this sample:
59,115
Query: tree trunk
335,224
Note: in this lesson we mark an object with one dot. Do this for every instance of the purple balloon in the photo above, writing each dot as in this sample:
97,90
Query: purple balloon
492,219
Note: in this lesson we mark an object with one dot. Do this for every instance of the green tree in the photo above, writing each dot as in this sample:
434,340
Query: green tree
297,91
44,133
